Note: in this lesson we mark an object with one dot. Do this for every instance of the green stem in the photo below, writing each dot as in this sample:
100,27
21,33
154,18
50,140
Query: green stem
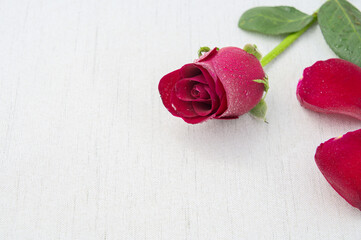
286,43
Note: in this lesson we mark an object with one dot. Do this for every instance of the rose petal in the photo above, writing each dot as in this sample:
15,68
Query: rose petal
184,87
236,70
192,68
182,108
207,55
202,108
204,113
223,107
198,119
339,160
165,87
331,86
206,63
202,92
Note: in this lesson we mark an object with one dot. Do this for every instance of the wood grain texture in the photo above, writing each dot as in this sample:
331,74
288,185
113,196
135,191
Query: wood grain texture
87,150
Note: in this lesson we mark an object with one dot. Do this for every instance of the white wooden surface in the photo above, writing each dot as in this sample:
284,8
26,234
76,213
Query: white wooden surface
87,150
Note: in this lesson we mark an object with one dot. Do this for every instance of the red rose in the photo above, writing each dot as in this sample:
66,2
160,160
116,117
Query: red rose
339,160
217,85
332,86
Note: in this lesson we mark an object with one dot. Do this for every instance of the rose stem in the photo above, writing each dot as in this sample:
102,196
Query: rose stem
286,43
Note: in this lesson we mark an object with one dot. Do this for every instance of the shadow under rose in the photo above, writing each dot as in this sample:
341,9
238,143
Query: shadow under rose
224,140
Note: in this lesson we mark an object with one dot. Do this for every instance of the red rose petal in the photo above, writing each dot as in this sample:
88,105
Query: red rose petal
202,92
197,119
236,70
207,55
184,87
166,88
206,62
339,160
190,70
331,86
202,108
182,108
223,107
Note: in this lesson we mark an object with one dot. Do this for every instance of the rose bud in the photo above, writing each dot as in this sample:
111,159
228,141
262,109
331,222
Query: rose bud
339,160
220,84
332,86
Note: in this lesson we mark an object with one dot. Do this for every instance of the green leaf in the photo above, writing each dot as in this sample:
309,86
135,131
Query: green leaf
259,111
252,49
340,23
264,81
202,50
274,20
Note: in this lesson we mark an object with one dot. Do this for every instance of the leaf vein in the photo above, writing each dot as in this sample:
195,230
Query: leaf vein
283,20
348,18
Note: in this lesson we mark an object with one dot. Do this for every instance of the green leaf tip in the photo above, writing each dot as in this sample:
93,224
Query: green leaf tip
259,111
203,50
340,23
252,49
